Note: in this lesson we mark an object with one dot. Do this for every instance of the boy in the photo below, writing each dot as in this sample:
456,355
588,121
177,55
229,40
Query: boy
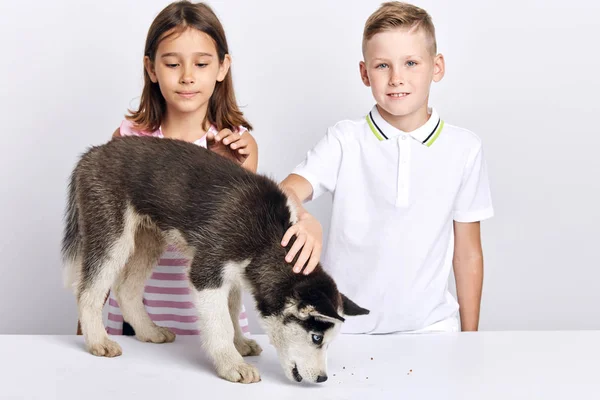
402,180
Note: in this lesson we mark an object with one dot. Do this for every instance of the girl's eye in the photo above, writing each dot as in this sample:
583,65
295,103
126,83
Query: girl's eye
201,65
172,65
381,66
317,339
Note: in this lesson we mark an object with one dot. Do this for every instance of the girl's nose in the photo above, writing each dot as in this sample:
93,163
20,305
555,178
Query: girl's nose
187,78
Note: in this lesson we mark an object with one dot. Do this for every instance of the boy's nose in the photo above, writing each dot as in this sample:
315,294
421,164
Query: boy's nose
396,81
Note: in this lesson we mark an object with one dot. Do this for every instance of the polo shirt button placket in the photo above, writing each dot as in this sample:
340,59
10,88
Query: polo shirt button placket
403,175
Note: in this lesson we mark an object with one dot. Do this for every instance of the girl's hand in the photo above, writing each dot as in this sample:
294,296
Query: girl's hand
309,237
229,144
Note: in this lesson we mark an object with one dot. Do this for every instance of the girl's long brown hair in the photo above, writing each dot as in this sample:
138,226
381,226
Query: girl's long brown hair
223,111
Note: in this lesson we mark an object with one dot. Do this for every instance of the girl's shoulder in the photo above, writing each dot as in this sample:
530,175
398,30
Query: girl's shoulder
128,128
239,129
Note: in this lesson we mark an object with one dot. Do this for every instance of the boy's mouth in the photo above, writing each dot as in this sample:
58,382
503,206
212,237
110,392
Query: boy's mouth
398,95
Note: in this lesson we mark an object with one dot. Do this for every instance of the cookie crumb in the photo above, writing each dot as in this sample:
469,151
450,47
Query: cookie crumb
371,358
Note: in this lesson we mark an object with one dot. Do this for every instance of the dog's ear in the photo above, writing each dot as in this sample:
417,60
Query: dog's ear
325,308
351,308
314,302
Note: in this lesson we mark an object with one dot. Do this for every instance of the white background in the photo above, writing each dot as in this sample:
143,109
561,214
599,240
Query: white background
521,74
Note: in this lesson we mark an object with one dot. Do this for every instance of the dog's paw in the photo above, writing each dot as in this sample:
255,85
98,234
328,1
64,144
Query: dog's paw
242,372
156,334
248,347
106,348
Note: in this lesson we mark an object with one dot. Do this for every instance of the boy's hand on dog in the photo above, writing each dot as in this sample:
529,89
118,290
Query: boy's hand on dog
228,144
309,238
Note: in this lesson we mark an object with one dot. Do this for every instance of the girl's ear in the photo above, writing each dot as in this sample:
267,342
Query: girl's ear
149,66
224,68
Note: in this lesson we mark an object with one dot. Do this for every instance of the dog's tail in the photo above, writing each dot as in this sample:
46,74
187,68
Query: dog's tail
71,243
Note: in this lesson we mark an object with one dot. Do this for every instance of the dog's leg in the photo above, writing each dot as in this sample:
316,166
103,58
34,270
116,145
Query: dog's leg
105,251
129,288
217,333
99,272
245,346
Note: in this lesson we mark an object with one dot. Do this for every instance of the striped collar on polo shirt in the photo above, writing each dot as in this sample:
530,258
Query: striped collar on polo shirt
427,134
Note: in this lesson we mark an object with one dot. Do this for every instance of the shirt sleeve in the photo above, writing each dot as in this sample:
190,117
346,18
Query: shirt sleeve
321,165
474,201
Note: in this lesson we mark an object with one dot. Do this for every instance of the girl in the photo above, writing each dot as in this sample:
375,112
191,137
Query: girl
188,95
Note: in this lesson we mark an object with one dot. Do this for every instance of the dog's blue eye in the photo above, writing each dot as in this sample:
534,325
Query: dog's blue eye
317,339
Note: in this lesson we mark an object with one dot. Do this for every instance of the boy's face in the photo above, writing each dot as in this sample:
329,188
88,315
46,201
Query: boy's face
399,67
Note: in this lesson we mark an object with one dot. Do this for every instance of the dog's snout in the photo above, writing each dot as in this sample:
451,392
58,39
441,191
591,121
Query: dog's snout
321,378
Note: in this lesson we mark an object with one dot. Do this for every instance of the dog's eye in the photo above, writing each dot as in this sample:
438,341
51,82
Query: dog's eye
317,339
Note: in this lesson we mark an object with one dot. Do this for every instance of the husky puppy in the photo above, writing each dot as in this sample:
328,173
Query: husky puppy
132,196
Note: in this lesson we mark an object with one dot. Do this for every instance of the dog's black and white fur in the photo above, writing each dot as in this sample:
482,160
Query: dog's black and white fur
130,197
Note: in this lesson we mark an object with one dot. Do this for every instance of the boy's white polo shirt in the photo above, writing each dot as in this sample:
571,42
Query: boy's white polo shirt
395,195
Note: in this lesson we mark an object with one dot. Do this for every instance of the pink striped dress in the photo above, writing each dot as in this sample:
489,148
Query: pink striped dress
167,296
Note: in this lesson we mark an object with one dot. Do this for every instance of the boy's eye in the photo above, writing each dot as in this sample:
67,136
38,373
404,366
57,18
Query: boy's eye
317,339
411,63
381,66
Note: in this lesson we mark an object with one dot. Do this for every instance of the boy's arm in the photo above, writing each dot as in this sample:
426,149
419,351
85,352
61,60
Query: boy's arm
468,272
308,230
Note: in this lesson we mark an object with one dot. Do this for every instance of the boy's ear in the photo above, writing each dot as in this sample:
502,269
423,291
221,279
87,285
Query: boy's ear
149,66
351,308
439,67
224,68
363,73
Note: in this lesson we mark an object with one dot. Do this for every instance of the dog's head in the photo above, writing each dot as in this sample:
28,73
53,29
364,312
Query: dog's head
310,320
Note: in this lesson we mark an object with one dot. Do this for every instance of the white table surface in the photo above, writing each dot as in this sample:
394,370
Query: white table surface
483,365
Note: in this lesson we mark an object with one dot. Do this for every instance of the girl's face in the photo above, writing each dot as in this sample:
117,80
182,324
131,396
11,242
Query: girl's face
187,68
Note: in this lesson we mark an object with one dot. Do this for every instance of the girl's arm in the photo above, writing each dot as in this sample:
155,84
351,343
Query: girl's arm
241,149
468,272
248,147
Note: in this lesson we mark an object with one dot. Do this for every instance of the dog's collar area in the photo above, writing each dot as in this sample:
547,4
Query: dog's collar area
296,374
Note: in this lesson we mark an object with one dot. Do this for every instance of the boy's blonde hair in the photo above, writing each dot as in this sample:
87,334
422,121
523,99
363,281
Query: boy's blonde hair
395,14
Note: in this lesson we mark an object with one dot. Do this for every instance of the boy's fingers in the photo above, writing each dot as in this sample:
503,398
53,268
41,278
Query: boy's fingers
288,235
304,256
314,260
295,249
